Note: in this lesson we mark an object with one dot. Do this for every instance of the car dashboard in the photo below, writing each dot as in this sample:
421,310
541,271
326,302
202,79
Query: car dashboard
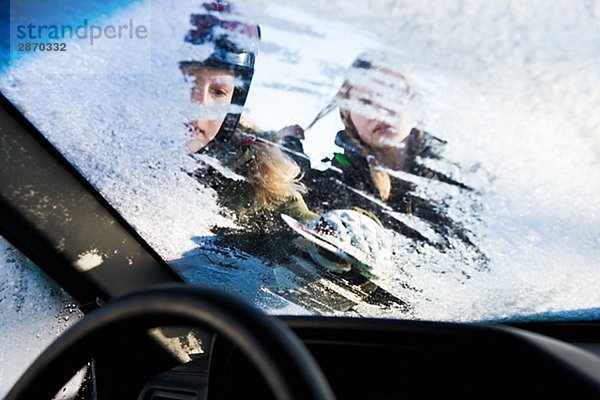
390,359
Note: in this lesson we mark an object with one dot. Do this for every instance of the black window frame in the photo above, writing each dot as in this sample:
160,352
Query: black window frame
29,163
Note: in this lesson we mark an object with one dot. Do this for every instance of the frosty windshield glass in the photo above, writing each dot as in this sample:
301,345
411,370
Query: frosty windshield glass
34,311
406,160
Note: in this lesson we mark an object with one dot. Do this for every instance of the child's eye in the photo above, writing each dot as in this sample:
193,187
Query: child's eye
366,102
219,92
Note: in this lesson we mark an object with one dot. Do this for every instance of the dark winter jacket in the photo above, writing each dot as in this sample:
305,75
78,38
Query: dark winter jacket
348,183
263,232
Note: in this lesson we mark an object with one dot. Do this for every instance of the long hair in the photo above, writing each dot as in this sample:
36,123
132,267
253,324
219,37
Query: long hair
380,179
274,176
361,68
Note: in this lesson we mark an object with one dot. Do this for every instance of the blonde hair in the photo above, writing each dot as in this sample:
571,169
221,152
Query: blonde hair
380,178
275,177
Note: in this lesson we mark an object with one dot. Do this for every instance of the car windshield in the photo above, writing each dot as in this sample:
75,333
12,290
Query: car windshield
436,161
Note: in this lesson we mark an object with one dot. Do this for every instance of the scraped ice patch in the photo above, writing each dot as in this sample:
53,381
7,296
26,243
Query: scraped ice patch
237,273
364,194
88,261
283,306
417,224
216,164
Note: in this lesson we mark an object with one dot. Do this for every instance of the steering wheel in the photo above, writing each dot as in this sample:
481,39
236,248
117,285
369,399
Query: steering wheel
284,362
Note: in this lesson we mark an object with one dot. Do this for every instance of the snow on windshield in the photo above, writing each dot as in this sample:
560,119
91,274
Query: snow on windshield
508,227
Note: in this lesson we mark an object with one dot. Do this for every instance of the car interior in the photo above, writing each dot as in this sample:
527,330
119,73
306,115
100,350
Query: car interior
150,332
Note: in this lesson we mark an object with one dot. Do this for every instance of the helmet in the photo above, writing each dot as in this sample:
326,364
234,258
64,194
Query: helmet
234,49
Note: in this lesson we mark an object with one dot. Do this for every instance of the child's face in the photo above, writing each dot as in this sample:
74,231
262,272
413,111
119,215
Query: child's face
372,128
212,87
